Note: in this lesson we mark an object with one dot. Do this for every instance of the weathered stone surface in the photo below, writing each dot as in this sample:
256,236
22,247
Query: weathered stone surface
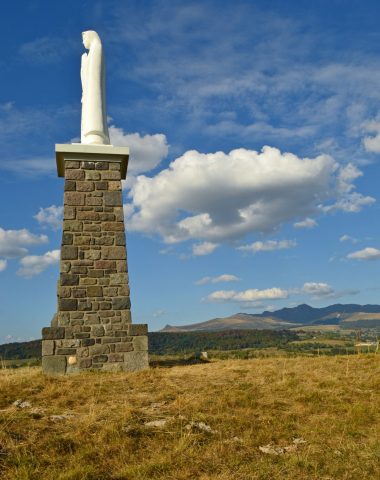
113,253
74,198
118,278
66,351
48,347
138,329
100,358
124,347
74,175
135,361
54,365
93,324
120,303
69,252
140,343
53,333
113,199
115,357
94,291
68,304
71,164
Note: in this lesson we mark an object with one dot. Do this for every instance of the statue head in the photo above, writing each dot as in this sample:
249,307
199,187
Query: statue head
89,37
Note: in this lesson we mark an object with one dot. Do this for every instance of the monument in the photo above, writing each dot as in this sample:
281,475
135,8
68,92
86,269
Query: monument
92,329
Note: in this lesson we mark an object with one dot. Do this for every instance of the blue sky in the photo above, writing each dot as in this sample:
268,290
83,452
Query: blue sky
254,130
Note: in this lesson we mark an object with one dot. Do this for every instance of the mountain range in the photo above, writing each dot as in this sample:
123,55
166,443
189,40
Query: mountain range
338,315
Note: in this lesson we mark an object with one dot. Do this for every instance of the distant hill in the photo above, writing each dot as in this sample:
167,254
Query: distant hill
346,316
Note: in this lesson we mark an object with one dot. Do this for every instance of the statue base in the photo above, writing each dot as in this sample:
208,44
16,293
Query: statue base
92,329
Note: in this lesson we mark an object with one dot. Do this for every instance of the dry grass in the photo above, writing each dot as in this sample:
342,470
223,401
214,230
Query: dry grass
331,402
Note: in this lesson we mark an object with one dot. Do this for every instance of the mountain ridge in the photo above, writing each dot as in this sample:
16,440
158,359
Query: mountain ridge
289,317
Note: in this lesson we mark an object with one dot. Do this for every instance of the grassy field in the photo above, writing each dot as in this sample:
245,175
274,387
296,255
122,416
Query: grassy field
317,418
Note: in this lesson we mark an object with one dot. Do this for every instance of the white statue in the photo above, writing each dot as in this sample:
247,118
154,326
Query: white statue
94,128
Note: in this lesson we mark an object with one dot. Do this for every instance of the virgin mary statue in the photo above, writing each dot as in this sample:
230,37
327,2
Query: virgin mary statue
94,128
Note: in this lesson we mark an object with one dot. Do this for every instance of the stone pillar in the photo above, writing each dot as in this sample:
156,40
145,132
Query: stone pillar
92,329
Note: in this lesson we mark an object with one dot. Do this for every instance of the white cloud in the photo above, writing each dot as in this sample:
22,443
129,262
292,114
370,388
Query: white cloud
32,265
50,216
348,238
251,295
13,242
32,167
368,253
317,289
146,152
221,278
3,265
372,144
307,223
217,197
268,246
204,248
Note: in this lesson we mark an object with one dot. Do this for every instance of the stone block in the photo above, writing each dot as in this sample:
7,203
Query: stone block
67,238
69,252
100,358
118,278
54,365
48,347
88,165
64,292
70,186
99,349
92,175
126,316
115,357
53,333
72,226
71,164
69,213
68,279
110,340
63,318
105,264
88,342
108,241
92,255
93,216
67,304
87,281
94,201
101,185
119,214
85,362
123,290
138,329
85,186
90,227
101,165
113,226
94,291
135,361
124,346
97,331
66,351
120,238
111,175
113,253
74,175
74,198
140,343
112,199
120,303
114,186
105,305
79,292
84,305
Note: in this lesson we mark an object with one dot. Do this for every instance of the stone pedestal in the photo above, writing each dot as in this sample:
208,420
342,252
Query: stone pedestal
92,329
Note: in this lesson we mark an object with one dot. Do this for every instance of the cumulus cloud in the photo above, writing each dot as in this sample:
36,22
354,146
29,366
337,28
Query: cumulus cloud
317,289
368,253
3,265
307,223
13,242
218,197
251,295
268,246
50,216
205,248
146,152
32,265
220,278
